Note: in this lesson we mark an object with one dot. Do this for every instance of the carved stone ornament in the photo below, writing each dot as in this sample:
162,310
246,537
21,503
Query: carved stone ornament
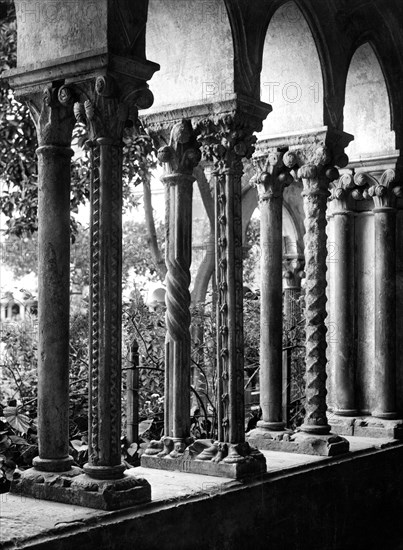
226,140
273,173
52,113
205,456
183,153
293,272
385,193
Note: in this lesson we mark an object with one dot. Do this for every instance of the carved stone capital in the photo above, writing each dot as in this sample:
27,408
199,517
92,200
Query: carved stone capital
385,192
182,154
107,107
52,113
343,191
273,176
226,140
293,272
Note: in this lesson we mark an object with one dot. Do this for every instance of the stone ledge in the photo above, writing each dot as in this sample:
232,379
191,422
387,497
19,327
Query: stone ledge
299,442
366,426
238,470
364,510
74,487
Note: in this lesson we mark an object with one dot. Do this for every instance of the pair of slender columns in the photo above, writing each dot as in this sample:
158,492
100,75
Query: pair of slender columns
179,159
313,436
315,196
384,195
105,118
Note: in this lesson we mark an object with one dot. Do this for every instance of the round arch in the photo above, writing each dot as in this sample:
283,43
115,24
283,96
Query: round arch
291,80
367,110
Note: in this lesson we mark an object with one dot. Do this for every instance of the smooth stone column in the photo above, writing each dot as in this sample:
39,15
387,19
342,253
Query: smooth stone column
384,196
344,297
270,187
54,128
53,308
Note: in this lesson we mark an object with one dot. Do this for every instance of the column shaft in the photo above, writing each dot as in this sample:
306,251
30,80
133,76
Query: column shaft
179,192
271,316
385,313
106,312
231,413
344,314
315,198
53,307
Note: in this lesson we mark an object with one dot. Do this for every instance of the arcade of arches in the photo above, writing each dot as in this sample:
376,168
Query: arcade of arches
294,108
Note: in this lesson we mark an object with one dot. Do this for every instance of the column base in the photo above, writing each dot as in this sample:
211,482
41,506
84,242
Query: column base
367,426
299,442
74,487
206,457
53,465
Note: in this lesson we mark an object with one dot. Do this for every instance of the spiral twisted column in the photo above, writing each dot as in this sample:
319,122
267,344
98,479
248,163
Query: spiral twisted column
315,196
179,191
178,159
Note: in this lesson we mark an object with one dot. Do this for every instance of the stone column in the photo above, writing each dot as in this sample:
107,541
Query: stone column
271,183
343,317
226,141
106,109
315,196
316,176
178,159
54,124
225,138
384,195
132,394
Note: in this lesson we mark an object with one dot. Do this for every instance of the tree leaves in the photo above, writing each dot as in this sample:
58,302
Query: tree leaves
17,419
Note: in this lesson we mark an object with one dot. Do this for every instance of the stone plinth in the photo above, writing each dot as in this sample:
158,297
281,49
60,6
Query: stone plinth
74,487
367,426
299,442
206,457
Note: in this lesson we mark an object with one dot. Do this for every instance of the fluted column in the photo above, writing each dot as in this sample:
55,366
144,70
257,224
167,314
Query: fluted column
343,314
384,195
178,159
271,183
54,123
